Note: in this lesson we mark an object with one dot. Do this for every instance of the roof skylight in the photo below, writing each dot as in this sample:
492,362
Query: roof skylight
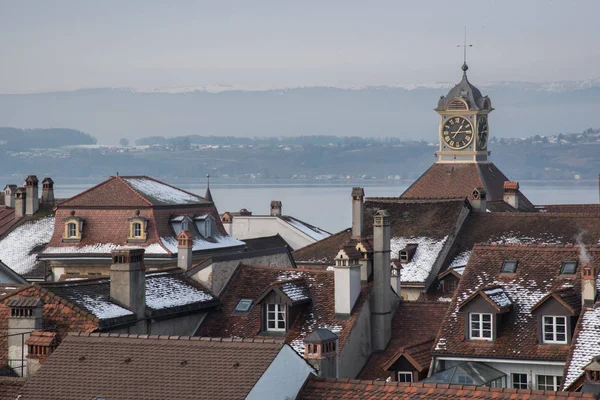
568,267
243,305
509,267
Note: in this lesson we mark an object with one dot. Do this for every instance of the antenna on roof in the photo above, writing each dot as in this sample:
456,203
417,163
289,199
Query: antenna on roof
465,67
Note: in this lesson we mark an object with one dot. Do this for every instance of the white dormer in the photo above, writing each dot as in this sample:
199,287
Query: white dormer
205,225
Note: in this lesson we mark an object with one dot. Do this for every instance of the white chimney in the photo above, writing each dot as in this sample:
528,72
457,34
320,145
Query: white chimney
25,317
128,283
185,245
47,191
588,286
227,220
479,199
346,281
20,199
511,194
276,208
32,202
381,308
358,195
9,195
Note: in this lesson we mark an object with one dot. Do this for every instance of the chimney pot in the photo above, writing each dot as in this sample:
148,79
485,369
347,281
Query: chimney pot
128,283
588,285
358,195
511,193
185,248
381,298
276,208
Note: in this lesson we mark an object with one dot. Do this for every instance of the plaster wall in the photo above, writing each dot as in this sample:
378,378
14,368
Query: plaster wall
249,227
358,346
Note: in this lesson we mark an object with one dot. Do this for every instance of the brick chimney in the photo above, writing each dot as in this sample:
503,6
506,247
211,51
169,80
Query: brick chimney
479,199
185,245
20,198
381,306
358,196
128,283
9,195
320,351
276,208
346,281
588,285
25,317
47,191
32,203
511,194
39,347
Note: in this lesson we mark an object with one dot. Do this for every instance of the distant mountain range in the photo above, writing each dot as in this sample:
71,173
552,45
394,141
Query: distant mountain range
406,112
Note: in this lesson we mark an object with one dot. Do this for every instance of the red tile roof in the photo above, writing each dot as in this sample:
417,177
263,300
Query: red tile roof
537,275
10,387
323,251
249,282
37,338
338,389
409,328
7,219
120,366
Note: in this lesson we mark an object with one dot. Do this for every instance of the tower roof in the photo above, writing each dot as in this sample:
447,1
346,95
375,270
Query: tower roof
467,92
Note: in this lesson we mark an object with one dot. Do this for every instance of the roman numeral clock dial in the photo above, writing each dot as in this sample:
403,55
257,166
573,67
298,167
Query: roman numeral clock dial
482,132
457,133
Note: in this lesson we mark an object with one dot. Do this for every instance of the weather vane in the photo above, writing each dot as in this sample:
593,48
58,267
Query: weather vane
464,46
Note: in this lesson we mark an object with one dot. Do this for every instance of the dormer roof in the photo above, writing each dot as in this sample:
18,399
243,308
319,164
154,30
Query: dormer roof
295,291
567,297
496,296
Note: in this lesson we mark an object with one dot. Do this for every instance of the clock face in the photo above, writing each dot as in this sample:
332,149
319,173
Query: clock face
482,132
457,132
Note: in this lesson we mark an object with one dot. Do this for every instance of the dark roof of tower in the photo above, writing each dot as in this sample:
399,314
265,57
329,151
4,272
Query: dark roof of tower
466,91
208,195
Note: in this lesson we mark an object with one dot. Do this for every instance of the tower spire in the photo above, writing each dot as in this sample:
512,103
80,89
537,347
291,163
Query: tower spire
208,194
465,67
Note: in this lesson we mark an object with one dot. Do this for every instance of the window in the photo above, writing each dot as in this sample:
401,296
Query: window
72,230
509,267
276,317
136,229
404,376
548,382
555,329
464,379
568,268
481,326
243,305
450,285
519,381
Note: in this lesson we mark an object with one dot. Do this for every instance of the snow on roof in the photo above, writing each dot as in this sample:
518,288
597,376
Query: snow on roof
459,270
499,297
102,308
419,268
517,238
309,327
460,260
587,346
167,291
161,192
200,244
296,291
16,247
310,230
103,248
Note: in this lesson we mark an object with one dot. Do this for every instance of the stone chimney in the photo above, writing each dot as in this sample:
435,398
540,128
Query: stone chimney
128,283
276,208
9,195
20,199
227,220
479,199
346,281
47,191
381,306
320,351
511,194
396,274
588,285
25,317
185,244
358,196
32,203
39,347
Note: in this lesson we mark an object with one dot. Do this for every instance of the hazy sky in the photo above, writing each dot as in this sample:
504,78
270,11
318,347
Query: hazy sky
65,45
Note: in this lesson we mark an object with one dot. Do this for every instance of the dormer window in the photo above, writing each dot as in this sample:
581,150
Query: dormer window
205,225
568,268
509,267
138,227
555,329
73,228
275,317
480,326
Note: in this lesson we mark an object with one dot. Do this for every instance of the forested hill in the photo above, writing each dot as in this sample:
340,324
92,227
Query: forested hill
26,139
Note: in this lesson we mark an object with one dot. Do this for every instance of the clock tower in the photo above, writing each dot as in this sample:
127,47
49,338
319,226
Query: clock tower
463,131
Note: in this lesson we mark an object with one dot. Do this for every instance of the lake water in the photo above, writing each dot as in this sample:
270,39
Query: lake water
328,206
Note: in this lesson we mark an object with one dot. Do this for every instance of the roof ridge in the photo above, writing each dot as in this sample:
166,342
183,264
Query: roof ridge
266,267
120,178
327,238
537,246
178,337
171,186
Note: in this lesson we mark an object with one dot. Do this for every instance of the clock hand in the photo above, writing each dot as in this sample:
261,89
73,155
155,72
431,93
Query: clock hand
456,133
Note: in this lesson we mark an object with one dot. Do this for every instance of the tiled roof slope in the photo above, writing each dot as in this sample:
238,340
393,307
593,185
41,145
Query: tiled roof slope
445,180
7,219
339,389
323,251
265,242
538,273
140,367
570,208
249,282
132,191
10,387
408,327
586,345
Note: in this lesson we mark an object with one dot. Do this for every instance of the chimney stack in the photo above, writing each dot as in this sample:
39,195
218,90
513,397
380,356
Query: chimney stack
32,203
276,208
479,199
381,310
511,193
9,195
320,351
128,283
346,281
47,191
588,286
227,220
25,317
185,245
358,196
40,345
20,199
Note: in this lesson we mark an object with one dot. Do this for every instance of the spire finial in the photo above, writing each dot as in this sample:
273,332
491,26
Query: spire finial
208,181
465,67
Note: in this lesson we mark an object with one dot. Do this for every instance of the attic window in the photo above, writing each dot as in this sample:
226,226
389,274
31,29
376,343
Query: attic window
71,230
243,305
568,268
509,267
138,228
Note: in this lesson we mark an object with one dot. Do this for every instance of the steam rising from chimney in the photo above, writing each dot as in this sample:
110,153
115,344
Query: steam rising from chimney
584,257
